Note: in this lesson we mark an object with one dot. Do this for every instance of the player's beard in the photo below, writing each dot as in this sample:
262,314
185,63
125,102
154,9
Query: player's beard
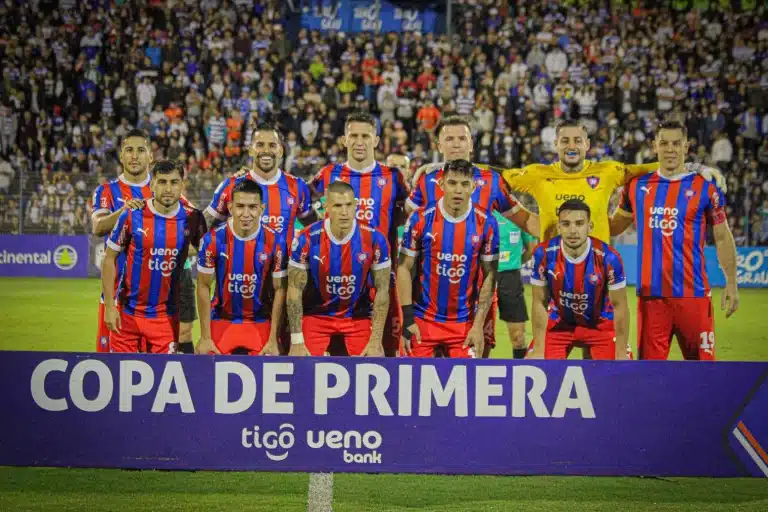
258,164
135,169
569,165
168,201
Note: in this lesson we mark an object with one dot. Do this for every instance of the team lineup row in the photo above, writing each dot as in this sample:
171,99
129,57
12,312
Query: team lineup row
281,289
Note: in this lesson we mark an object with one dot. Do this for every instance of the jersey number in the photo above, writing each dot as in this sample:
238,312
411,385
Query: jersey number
707,342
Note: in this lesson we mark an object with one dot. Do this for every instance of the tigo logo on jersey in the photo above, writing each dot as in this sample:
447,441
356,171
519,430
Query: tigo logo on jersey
243,284
158,261
275,444
454,275
663,218
576,302
364,209
342,286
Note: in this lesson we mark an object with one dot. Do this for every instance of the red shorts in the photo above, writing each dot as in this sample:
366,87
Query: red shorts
152,335
394,324
248,336
690,319
449,335
102,332
318,331
600,341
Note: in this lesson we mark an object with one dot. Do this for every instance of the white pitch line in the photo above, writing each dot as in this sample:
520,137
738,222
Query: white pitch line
320,492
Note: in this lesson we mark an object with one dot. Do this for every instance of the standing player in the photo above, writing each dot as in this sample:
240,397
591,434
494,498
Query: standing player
156,240
454,141
249,262
380,191
337,259
286,197
445,247
574,274
128,191
515,248
671,209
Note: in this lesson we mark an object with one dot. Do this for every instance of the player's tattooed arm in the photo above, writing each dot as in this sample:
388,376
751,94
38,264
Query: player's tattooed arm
210,220
485,298
380,311
297,281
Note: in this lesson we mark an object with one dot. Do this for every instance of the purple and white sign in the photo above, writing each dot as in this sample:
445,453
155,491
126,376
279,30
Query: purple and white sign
43,256
384,415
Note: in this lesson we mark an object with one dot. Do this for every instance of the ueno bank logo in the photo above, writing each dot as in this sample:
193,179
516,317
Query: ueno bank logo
343,286
665,219
454,274
276,222
244,284
275,443
158,262
348,441
576,302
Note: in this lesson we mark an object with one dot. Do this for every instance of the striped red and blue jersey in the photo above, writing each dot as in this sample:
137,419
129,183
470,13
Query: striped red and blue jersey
109,198
491,191
671,217
156,246
578,288
449,251
340,270
245,269
379,191
286,198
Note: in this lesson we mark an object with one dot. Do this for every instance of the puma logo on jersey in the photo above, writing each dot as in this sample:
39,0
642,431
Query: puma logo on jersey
647,190
432,236
225,255
144,231
120,200
318,258
433,180
553,274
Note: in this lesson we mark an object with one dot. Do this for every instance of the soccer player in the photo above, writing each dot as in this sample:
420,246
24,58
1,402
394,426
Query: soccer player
445,247
454,141
515,248
573,275
156,240
128,191
380,191
333,263
286,197
249,262
672,209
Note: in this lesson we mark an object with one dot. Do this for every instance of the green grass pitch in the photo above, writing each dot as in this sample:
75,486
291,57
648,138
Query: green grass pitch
60,315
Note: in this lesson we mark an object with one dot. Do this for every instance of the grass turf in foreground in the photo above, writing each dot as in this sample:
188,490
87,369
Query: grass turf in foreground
78,489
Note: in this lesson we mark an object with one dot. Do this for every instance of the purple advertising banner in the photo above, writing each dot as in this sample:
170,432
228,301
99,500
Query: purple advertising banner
43,256
384,415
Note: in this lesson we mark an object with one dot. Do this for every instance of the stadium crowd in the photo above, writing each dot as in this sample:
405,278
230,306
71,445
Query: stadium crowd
199,75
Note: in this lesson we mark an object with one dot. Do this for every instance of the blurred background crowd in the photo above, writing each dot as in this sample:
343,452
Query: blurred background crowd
198,74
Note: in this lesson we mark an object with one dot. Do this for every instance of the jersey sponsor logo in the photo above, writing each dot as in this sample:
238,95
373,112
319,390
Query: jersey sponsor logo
243,284
274,221
341,286
593,181
578,303
275,443
664,218
447,269
365,209
159,263
566,197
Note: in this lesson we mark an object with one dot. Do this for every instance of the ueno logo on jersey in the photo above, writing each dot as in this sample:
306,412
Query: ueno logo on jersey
158,261
342,286
275,443
243,284
576,302
274,221
447,269
566,197
664,218
350,440
364,209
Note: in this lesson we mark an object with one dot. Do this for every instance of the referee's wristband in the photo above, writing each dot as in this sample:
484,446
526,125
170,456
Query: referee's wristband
408,319
297,339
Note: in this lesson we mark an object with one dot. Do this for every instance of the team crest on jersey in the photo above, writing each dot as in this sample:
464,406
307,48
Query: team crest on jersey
480,182
381,182
262,257
593,181
361,257
715,200
104,203
290,200
295,244
593,278
377,255
689,193
475,239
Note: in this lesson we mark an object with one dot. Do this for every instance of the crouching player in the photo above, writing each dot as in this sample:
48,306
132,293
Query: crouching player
333,264
578,273
248,259
156,240
445,247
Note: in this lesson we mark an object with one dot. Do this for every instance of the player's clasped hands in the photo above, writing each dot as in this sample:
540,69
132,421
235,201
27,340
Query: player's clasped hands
134,204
